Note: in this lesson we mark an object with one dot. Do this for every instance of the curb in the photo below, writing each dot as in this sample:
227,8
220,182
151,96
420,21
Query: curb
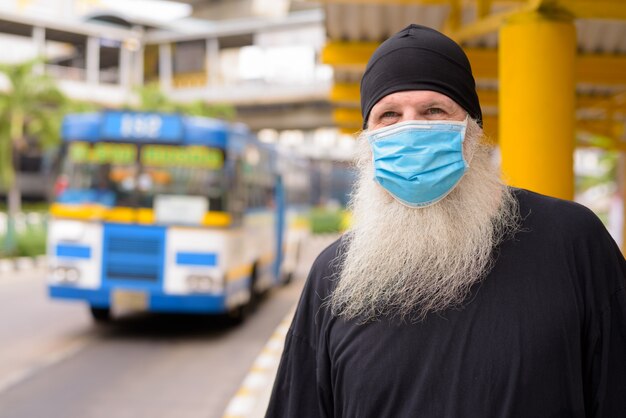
253,395
11,265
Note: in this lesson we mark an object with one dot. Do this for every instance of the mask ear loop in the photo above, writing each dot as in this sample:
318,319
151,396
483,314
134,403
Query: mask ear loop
471,148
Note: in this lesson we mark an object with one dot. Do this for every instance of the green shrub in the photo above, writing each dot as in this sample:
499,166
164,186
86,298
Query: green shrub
325,221
30,242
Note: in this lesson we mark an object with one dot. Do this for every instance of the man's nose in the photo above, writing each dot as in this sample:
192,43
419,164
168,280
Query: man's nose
409,114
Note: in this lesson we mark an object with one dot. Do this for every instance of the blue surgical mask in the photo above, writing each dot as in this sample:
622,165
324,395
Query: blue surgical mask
419,162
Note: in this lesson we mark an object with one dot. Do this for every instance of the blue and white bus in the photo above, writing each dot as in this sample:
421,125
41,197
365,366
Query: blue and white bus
167,213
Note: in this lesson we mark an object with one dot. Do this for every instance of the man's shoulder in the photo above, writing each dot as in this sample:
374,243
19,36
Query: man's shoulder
534,200
318,287
324,270
328,255
552,212
326,264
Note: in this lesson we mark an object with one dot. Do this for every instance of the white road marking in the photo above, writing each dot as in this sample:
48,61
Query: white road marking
18,376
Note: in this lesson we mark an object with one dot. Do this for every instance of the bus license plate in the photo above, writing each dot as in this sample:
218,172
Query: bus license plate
129,300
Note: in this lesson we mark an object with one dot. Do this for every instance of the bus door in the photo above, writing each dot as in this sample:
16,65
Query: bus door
279,199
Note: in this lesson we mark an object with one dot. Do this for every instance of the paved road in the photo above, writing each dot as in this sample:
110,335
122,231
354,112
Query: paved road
55,363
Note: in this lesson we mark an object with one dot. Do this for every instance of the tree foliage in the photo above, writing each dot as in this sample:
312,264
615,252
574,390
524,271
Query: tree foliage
30,111
152,99
30,114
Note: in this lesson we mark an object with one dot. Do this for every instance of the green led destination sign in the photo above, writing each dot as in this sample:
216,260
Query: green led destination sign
102,153
176,156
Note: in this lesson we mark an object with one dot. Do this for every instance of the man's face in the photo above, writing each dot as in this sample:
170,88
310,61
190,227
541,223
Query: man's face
413,105
407,262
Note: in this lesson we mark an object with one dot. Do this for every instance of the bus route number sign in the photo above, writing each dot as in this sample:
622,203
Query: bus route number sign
155,127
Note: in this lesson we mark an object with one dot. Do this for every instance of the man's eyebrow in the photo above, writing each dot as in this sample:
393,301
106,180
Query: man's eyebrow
435,102
384,102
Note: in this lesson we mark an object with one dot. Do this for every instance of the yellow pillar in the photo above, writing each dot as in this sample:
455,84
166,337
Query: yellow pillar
621,182
536,96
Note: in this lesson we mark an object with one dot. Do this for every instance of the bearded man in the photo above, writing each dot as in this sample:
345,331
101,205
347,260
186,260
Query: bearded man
453,295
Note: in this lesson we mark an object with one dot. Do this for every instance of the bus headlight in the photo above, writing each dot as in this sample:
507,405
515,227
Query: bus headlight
203,283
66,275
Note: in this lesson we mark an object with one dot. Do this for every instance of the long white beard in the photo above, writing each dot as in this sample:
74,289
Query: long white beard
405,262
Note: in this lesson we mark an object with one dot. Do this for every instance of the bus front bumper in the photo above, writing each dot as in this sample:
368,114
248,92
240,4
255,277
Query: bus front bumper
155,302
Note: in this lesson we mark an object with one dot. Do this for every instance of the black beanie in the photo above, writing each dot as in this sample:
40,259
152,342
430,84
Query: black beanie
419,58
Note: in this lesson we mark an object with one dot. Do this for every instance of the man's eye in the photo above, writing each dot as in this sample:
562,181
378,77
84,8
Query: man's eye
389,114
434,111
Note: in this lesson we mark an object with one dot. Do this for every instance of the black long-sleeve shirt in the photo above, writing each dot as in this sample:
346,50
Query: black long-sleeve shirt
542,336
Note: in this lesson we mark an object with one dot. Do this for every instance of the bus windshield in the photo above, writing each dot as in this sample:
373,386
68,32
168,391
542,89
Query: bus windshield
131,175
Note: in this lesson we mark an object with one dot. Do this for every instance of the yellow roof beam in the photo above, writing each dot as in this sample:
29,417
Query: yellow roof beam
482,26
490,127
348,131
348,54
487,98
488,22
590,68
388,2
612,69
455,16
585,9
609,103
348,118
597,9
484,62
611,129
348,93
483,8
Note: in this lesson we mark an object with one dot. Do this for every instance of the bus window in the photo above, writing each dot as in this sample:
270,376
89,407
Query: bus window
187,181
179,170
238,192
99,173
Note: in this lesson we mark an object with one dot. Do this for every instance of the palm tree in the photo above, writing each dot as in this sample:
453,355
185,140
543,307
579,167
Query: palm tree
31,108
200,108
152,99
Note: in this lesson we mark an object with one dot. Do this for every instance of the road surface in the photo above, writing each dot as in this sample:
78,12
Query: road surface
54,362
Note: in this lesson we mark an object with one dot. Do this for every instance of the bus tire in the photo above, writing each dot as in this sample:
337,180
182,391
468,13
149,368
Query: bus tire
255,295
287,278
238,314
100,315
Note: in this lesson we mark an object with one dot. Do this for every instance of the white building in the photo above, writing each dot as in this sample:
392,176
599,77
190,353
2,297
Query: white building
261,56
